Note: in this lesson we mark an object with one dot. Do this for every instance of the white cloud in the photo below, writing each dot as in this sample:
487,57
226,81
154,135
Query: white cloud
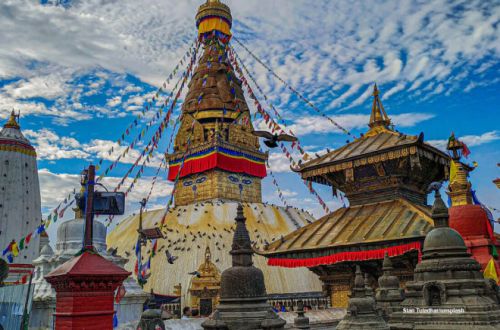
317,124
51,146
470,140
55,187
113,102
402,43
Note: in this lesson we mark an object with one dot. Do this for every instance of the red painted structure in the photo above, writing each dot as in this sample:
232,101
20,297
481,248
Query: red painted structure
85,287
471,221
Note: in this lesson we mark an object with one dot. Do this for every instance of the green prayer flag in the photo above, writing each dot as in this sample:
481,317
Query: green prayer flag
494,252
21,243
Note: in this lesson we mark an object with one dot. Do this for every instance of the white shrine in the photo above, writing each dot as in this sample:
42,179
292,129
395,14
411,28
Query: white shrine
69,242
20,210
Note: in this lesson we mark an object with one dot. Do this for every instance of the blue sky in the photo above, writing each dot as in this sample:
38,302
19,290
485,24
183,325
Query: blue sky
80,71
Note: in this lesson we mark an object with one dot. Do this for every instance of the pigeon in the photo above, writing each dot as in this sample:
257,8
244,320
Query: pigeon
216,260
271,139
195,273
170,258
434,186
127,253
113,251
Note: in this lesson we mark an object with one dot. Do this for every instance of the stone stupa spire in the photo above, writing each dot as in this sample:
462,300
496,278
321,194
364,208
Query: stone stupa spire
362,313
243,299
389,293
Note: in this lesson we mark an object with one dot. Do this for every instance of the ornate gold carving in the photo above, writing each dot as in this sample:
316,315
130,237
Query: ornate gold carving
206,284
186,132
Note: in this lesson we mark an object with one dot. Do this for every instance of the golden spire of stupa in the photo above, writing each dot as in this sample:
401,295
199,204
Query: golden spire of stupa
13,121
459,186
379,120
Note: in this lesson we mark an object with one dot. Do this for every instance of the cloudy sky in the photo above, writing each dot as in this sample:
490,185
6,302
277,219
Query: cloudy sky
80,71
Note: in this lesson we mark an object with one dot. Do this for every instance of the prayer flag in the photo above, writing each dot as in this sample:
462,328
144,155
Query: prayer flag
21,243
465,150
490,271
28,238
453,171
14,248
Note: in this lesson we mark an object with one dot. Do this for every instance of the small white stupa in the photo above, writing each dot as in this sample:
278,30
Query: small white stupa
69,243
20,210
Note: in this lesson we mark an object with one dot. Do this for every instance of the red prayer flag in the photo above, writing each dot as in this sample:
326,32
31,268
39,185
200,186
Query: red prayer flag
28,238
120,293
465,150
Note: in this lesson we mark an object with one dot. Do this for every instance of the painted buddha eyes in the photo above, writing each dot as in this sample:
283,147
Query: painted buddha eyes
197,181
235,179
201,180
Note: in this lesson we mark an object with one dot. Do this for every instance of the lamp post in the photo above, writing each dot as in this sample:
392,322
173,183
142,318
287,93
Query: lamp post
89,176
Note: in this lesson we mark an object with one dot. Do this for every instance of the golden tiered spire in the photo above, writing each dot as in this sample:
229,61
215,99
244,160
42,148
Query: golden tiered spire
379,120
459,187
13,121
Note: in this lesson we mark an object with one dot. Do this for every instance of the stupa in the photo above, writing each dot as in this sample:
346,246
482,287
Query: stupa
243,302
448,290
68,244
20,210
362,313
385,175
467,216
219,165
389,294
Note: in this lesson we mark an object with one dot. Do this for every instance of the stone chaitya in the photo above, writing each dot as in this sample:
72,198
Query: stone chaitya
389,293
243,301
362,313
448,290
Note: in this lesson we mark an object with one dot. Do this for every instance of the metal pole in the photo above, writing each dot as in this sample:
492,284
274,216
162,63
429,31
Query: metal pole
89,214
25,319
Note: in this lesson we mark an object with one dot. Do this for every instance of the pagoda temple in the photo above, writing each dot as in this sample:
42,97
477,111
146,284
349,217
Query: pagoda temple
216,163
385,175
467,216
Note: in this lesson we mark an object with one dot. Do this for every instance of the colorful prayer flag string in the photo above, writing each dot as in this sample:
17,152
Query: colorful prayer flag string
293,90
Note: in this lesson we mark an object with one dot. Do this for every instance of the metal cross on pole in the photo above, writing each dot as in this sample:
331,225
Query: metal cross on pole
89,214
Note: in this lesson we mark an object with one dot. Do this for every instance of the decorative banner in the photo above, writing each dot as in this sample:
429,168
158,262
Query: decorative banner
293,90
218,157
346,256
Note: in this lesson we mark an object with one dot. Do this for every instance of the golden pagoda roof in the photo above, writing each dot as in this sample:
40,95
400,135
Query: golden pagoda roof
358,225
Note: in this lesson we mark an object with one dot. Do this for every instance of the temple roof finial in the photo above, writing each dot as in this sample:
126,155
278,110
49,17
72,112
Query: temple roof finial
13,121
459,188
379,121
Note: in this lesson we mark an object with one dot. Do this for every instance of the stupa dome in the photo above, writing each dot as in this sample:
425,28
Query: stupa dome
69,235
47,251
442,238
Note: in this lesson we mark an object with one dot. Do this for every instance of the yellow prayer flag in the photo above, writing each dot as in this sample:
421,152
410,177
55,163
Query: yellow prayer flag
15,249
453,171
490,271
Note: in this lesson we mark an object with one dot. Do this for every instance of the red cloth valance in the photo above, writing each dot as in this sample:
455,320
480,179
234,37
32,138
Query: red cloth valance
346,256
218,160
